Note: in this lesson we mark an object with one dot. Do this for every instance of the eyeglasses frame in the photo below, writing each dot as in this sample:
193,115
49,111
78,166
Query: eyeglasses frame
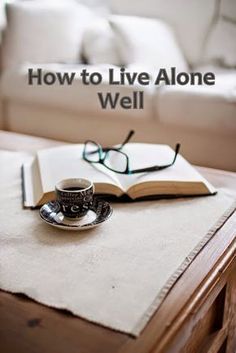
103,152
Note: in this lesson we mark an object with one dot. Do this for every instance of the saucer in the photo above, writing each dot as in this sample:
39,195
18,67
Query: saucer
98,213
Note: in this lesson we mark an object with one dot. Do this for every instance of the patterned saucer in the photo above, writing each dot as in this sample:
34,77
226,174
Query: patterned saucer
98,213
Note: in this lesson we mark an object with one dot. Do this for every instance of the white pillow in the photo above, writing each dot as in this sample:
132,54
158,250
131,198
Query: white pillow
147,42
99,44
190,19
44,31
221,45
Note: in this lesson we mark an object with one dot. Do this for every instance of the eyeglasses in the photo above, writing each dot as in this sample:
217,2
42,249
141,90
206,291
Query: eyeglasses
116,160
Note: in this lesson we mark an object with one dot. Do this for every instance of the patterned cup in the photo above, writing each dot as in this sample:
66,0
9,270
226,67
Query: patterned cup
75,196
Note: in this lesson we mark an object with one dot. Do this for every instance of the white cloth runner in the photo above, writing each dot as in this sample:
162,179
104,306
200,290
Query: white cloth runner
115,275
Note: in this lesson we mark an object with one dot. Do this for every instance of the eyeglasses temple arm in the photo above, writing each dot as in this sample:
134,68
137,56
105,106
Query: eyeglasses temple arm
106,149
149,169
177,148
130,134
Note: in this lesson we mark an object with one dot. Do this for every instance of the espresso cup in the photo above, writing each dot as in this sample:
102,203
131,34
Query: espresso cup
75,196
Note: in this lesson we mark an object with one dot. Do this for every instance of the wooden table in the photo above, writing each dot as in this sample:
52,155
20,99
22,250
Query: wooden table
198,315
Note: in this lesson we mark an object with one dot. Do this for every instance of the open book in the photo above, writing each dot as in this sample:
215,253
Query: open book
54,164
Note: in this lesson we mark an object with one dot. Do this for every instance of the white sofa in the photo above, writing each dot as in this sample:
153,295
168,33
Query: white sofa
202,118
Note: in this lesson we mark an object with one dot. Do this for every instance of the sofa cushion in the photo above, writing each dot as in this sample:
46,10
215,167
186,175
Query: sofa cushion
147,41
42,31
77,97
100,45
211,108
191,20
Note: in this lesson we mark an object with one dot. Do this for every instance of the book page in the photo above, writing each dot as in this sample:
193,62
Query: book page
143,155
32,187
66,162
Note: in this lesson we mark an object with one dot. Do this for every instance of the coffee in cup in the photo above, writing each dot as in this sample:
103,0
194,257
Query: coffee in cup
75,196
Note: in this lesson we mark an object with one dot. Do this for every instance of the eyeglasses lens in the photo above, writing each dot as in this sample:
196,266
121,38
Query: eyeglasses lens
92,152
116,161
